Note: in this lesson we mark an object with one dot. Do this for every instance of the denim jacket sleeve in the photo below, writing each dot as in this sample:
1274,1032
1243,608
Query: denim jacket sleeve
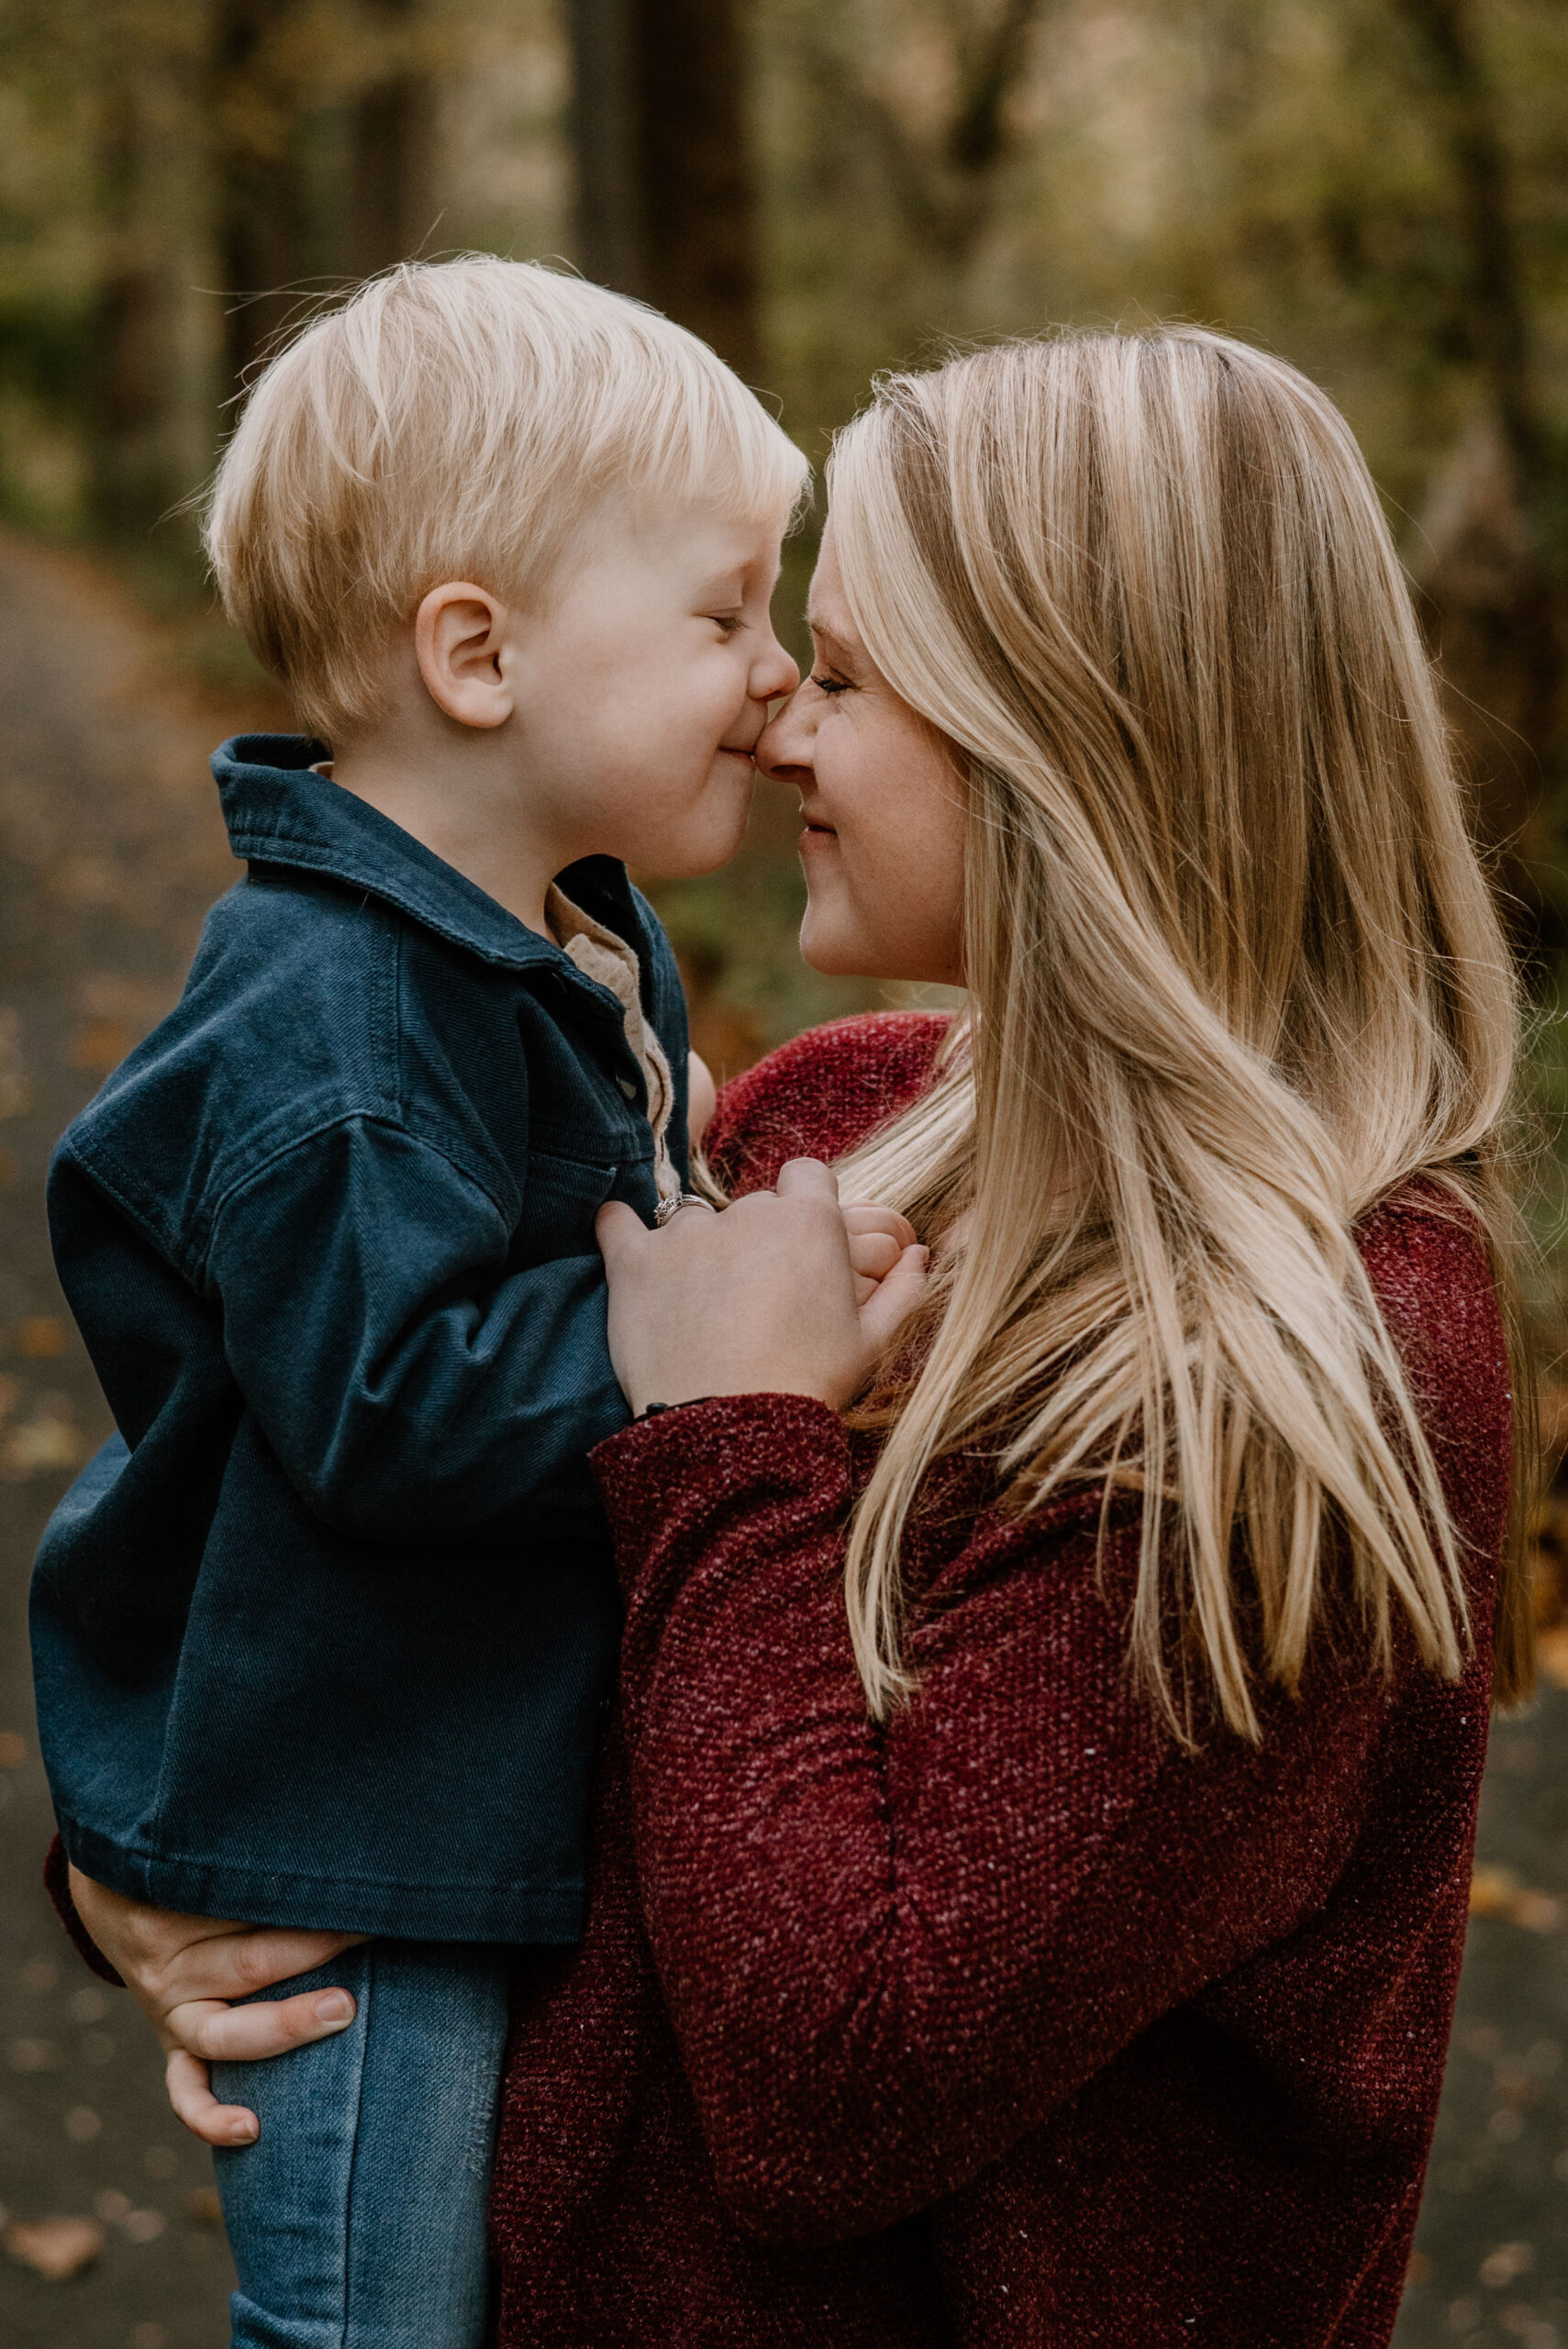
415,1392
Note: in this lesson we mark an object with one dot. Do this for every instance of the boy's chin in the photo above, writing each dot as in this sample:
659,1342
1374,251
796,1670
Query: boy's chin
703,847
688,860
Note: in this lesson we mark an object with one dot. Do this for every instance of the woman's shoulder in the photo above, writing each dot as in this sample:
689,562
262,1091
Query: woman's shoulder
821,1093
1429,1263
1431,1271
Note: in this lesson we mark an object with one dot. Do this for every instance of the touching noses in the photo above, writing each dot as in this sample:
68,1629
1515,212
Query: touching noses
782,751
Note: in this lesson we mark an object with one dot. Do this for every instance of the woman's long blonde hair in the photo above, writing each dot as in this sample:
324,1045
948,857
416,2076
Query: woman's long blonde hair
1234,973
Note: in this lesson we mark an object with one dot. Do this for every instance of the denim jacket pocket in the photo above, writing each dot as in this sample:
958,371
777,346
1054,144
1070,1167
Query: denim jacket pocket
563,1197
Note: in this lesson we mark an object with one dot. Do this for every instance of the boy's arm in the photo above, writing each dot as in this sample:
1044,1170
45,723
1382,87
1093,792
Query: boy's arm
414,1385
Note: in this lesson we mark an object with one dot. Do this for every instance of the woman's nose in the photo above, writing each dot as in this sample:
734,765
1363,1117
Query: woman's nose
783,746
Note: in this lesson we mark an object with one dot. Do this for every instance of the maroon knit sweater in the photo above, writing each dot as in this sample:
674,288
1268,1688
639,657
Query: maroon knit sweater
1007,2023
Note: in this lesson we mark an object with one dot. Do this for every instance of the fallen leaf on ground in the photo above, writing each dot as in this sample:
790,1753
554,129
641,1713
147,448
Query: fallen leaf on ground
1498,2269
1497,1892
113,994
203,2207
41,1447
33,2055
99,1045
55,2249
40,1337
1552,1652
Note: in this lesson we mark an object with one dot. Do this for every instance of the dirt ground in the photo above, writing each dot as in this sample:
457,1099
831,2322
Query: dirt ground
111,848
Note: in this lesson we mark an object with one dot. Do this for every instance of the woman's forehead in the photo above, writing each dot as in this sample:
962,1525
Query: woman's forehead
827,610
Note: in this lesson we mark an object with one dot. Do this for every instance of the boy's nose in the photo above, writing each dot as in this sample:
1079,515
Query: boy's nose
778,673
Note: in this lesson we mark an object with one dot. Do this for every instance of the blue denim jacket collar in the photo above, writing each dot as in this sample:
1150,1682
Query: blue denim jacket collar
279,813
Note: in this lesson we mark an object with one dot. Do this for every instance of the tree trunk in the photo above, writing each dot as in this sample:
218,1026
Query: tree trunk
259,227
140,389
391,214
699,198
1490,573
612,231
666,202
1495,314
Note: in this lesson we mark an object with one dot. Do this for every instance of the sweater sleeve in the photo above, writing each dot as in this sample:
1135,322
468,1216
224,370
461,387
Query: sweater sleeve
889,1952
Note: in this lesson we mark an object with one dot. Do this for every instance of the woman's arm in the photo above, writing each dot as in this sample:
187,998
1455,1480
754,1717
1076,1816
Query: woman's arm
889,1952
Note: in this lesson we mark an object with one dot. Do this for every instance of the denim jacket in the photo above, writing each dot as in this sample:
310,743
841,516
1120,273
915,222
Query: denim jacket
323,1634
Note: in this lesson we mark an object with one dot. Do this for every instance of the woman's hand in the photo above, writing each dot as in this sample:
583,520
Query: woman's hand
184,1972
761,1299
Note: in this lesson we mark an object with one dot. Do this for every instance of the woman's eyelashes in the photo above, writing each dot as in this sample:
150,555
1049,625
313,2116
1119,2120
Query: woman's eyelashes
832,685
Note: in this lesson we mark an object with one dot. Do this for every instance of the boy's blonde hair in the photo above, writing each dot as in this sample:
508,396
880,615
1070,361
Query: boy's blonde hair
459,420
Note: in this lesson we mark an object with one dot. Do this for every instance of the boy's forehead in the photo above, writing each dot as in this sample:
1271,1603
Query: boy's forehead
699,531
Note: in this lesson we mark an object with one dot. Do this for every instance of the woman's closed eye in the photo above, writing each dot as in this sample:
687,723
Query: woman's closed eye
825,685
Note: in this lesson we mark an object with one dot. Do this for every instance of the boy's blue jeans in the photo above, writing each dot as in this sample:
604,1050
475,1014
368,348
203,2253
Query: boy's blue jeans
357,2218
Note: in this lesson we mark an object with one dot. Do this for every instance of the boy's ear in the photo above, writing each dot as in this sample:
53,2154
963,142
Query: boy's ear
458,631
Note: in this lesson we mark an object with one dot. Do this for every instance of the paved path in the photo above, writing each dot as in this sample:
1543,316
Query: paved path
110,849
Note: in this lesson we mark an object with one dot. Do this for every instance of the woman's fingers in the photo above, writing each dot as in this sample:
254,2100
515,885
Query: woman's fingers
219,2034
204,2032
895,1298
767,1298
167,1959
190,2093
617,1228
239,1962
806,1178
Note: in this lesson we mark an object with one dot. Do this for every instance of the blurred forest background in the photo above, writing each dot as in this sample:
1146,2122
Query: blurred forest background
1377,189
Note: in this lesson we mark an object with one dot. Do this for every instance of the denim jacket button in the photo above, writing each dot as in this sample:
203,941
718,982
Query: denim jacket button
628,1087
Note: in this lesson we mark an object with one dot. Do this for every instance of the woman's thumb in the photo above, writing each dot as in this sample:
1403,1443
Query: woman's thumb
617,1228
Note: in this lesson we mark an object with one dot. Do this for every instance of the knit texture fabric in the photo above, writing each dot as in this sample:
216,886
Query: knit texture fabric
1010,2023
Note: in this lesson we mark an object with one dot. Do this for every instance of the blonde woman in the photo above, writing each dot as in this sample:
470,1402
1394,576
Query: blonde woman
1035,1829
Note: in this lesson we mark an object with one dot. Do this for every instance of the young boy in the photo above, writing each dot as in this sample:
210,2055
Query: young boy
323,1635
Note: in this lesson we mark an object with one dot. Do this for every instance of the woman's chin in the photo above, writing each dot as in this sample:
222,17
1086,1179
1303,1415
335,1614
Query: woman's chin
828,951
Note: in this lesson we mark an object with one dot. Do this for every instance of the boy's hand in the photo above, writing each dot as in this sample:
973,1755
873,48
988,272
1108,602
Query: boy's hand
184,1973
878,1236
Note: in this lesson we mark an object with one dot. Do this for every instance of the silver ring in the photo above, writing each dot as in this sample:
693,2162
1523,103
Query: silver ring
668,1209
